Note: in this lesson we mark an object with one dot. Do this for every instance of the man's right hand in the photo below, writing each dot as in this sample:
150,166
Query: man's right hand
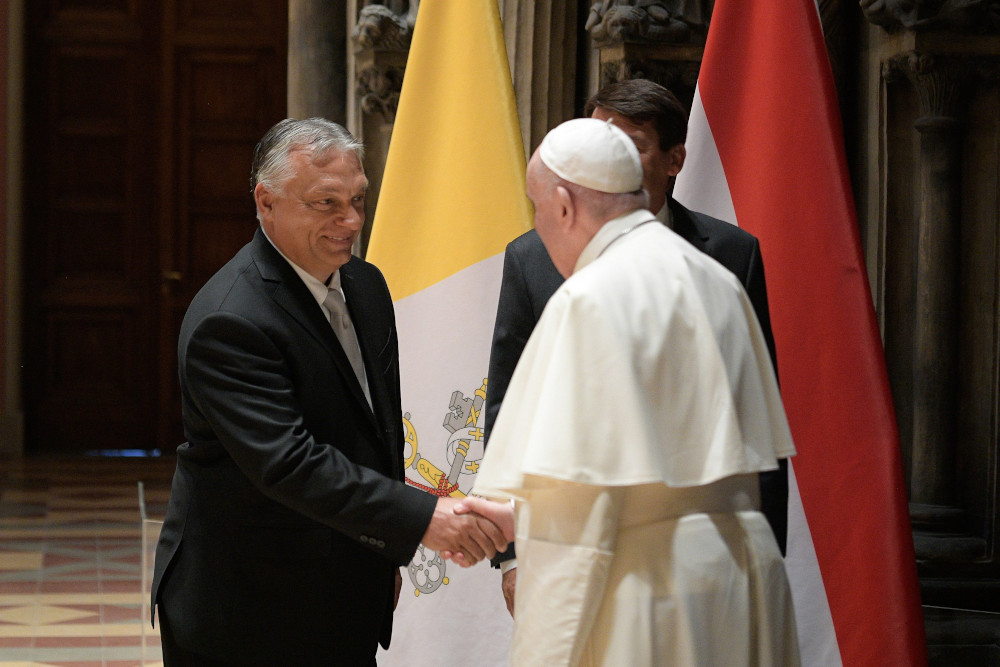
470,534
507,584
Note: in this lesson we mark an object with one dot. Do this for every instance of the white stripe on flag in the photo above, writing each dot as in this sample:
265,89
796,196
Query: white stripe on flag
447,614
702,185
814,623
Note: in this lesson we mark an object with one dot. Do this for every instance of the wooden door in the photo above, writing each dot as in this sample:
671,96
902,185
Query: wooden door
225,68
141,120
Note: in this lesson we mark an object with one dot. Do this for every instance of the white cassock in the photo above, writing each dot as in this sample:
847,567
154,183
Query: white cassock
631,435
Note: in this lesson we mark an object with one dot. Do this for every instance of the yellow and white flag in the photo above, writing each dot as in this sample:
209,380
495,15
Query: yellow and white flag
452,197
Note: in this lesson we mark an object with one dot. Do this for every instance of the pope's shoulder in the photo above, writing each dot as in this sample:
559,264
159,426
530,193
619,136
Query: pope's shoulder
654,254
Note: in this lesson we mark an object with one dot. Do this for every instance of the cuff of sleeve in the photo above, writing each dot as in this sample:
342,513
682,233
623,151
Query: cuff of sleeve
507,565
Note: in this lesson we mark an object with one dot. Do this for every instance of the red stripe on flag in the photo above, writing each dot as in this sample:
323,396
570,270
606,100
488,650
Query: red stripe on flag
768,94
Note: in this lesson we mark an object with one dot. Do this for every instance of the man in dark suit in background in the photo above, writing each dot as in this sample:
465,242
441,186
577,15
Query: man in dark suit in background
657,123
289,517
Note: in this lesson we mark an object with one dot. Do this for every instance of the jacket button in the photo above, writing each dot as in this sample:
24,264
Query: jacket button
381,544
364,539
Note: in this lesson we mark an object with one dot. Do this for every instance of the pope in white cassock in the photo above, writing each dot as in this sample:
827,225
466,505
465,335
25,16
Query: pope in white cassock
631,436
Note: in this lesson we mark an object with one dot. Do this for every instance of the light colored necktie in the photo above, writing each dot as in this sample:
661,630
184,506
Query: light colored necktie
340,320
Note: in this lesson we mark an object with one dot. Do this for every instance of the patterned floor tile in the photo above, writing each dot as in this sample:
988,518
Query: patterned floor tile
18,587
47,615
60,642
71,590
20,560
60,586
19,615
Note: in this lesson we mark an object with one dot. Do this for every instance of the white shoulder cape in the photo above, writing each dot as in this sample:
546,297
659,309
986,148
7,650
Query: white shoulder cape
647,365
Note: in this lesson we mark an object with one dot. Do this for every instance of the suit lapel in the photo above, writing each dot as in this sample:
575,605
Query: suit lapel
365,326
687,227
291,294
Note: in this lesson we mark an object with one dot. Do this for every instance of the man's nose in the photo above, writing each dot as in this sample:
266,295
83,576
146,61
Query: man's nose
354,219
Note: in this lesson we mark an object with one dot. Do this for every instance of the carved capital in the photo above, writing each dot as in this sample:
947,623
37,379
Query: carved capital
378,90
961,15
649,21
940,82
387,25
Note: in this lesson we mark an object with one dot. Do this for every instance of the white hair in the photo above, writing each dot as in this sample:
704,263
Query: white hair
271,163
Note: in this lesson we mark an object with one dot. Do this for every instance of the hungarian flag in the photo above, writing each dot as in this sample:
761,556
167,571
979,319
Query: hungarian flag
765,152
452,197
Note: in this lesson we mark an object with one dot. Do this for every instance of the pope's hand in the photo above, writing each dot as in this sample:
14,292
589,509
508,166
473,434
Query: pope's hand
508,584
500,513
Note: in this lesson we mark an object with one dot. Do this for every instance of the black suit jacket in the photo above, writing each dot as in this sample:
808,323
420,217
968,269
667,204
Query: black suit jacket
288,515
530,279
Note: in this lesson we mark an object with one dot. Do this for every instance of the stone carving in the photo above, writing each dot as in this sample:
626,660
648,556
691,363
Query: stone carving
940,82
386,25
649,21
378,90
963,15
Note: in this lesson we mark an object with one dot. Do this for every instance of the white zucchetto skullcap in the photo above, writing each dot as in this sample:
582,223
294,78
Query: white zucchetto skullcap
594,154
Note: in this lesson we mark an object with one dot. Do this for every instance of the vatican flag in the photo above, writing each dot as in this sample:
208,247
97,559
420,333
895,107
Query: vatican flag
451,198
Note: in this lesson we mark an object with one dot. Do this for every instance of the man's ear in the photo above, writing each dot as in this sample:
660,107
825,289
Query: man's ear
566,206
264,199
676,157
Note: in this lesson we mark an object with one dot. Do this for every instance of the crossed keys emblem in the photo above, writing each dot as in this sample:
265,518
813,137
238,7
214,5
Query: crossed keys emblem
464,452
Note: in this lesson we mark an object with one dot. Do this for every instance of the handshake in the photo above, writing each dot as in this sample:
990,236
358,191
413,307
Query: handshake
466,531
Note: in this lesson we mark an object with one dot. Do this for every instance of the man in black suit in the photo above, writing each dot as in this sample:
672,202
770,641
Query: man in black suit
657,123
289,517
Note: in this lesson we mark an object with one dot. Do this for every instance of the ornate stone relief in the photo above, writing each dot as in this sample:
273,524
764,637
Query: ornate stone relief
382,35
965,15
378,90
386,25
649,21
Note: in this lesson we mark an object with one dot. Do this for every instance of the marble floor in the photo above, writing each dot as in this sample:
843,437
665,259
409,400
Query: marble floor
73,589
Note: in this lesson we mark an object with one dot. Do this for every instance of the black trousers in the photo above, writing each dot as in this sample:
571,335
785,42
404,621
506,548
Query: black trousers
175,655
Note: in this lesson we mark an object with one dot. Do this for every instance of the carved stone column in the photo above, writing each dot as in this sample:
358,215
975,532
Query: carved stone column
661,41
317,38
939,223
940,84
381,43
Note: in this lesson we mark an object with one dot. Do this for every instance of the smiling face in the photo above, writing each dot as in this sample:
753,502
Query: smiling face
316,217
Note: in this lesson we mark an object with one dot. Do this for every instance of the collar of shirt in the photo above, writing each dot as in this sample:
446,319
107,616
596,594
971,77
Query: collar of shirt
610,231
316,288
664,215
